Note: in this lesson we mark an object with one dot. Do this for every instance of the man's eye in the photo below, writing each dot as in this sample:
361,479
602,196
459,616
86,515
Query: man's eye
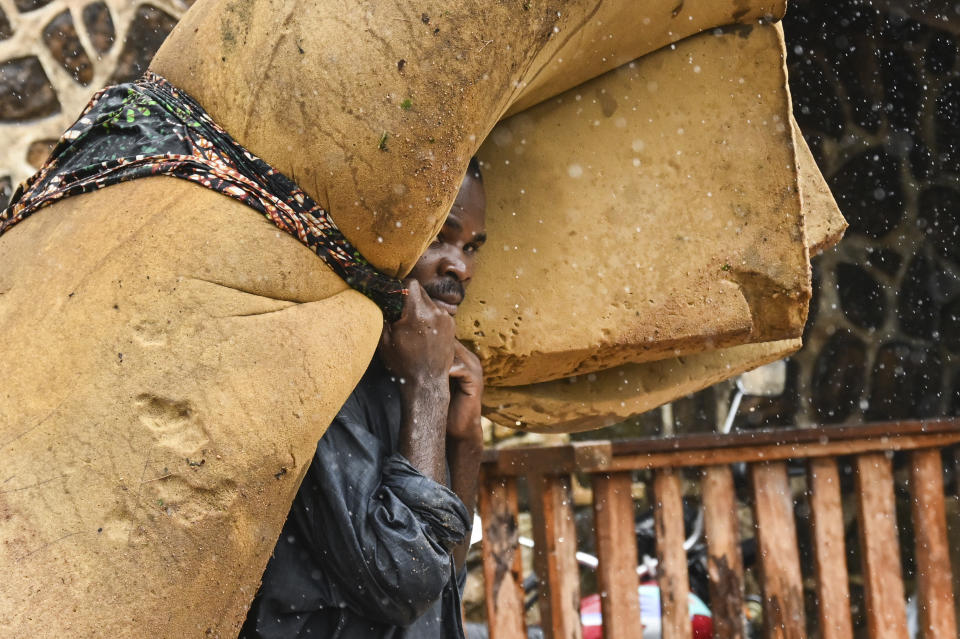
470,248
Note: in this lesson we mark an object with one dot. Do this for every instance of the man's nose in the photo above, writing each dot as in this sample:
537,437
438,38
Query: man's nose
455,265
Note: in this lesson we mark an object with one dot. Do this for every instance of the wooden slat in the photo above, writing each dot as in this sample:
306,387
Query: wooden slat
829,550
751,454
953,454
880,548
502,562
934,580
783,613
887,431
724,562
672,558
555,559
690,451
617,551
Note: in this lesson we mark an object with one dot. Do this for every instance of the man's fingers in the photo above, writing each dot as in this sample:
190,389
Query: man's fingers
466,370
413,299
417,300
416,296
423,299
463,354
419,306
459,360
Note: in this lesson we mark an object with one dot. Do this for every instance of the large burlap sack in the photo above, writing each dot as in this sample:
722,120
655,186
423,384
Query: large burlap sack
375,110
609,396
595,400
168,370
607,285
823,222
170,358
651,212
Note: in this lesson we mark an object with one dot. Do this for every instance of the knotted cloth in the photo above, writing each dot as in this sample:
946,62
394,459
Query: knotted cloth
149,127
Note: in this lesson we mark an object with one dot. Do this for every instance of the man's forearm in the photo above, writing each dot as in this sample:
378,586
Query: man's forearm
423,428
463,457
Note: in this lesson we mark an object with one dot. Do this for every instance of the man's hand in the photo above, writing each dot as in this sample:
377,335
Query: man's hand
466,377
419,347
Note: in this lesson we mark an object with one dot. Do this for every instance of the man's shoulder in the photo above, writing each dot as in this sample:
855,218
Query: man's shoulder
376,382
374,402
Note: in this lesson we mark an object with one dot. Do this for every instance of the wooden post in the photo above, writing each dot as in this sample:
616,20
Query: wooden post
829,550
880,548
555,555
617,551
672,558
502,562
724,562
934,579
783,612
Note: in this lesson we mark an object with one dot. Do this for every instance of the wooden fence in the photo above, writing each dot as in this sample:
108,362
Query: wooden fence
611,467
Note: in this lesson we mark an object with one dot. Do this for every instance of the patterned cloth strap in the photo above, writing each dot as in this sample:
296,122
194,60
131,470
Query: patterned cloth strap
149,127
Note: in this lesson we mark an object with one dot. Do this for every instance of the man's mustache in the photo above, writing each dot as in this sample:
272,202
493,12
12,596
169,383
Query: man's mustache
447,287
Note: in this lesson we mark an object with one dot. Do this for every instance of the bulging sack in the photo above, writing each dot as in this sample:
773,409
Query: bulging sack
171,357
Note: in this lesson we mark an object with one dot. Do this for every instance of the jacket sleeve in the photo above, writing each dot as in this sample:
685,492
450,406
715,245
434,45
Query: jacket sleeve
381,531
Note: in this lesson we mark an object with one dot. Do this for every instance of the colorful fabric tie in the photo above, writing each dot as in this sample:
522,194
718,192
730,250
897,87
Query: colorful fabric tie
149,127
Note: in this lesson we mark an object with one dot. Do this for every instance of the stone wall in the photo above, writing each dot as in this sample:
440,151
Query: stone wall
876,91
54,54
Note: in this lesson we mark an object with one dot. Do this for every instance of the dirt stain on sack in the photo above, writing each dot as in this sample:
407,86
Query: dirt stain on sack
743,8
608,104
234,22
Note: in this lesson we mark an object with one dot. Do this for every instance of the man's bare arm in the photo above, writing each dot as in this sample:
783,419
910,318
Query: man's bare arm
441,406
419,349
464,434
423,426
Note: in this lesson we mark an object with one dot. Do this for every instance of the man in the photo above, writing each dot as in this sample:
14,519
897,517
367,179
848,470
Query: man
375,541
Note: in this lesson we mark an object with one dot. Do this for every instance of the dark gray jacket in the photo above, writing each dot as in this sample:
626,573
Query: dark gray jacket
365,551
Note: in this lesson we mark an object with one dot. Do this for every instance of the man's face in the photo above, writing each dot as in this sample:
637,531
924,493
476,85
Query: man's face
446,267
